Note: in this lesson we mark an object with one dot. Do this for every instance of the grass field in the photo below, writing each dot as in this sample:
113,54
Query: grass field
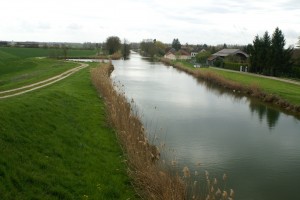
286,91
19,72
22,66
41,52
55,143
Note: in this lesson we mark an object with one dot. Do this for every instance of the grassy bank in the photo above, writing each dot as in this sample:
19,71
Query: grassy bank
20,66
44,52
55,143
20,72
281,94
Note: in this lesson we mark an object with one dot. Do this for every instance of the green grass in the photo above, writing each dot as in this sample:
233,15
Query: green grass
287,91
83,53
55,143
18,72
20,66
41,52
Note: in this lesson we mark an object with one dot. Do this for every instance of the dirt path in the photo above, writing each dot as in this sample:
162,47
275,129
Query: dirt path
269,77
41,84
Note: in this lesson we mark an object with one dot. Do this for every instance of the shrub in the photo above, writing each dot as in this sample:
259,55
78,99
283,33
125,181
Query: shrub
233,66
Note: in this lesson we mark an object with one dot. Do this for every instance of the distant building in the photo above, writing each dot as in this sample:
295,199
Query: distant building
177,55
170,55
194,53
227,52
184,55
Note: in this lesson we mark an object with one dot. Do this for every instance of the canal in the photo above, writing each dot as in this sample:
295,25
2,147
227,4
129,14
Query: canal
257,146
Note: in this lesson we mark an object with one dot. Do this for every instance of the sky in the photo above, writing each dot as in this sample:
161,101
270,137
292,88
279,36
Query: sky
191,21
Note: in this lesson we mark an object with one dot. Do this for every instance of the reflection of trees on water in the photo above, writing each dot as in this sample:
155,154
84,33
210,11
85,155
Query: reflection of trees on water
219,91
264,111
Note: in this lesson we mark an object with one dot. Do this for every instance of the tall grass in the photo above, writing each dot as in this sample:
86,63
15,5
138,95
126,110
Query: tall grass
252,90
150,179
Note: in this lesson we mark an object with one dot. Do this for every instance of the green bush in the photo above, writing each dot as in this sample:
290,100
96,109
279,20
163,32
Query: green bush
296,71
233,66
218,63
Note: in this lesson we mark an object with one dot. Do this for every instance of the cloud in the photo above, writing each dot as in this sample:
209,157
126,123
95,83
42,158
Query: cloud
192,21
43,26
74,26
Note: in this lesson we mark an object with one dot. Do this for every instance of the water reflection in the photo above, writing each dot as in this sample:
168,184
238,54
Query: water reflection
263,111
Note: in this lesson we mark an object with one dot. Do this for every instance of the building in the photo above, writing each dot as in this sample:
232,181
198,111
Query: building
194,53
225,53
178,55
170,55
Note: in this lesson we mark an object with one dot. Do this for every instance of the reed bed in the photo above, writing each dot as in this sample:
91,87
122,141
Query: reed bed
150,179
250,90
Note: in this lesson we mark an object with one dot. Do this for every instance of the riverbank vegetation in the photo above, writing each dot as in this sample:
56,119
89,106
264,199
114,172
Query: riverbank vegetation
281,94
56,143
142,158
152,48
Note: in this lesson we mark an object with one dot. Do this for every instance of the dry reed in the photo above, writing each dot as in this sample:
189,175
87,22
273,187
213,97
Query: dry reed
151,180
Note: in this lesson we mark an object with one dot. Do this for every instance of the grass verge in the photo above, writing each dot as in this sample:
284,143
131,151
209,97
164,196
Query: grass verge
283,95
56,143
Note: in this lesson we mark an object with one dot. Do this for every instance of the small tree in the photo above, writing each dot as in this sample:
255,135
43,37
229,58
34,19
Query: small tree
202,56
176,44
65,50
98,47
125,49
160,48
255,51
148,47
113,44
280,58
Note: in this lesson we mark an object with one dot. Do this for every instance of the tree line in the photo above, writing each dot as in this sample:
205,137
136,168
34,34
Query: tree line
268,55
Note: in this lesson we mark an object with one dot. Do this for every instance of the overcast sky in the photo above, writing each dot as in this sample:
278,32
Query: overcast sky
191,21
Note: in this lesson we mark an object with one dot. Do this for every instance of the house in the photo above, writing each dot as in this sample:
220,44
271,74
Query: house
170,55
183,55
227,52
194,53
177,55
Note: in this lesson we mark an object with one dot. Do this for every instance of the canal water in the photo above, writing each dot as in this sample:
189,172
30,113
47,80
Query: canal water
258,147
